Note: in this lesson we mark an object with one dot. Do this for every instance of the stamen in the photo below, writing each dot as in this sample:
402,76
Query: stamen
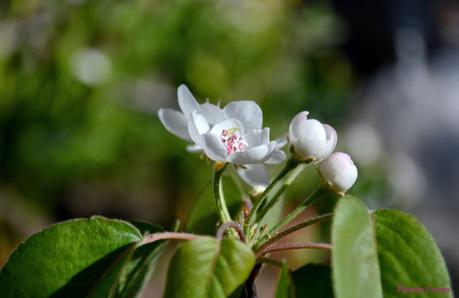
232,141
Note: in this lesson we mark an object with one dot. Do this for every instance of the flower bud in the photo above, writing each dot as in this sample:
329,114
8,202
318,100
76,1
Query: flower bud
339,172
310,139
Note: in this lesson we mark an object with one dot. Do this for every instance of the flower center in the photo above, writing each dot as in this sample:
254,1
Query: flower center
232,141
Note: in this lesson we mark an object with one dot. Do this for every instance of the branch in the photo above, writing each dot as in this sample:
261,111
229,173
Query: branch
169,235
288,231
294,245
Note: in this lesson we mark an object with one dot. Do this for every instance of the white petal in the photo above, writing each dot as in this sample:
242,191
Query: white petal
256,154
255,175
346,179
312,141
212,113
197,125
213,147
256,137
186,100
330,143
277,157
294,130
193,148
339,171
174,122
281,142
227,124
246,111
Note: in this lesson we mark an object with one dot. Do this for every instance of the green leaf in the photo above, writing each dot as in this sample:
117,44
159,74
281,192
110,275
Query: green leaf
313,280
354,255
95,257
409,257
208,267
284,285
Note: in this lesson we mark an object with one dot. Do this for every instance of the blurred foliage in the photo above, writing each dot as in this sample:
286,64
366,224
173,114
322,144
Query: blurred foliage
81,81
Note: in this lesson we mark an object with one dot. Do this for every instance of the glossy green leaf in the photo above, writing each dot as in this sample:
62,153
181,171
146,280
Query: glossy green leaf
284,285
313,280
96,257
208,267
409,258
354,255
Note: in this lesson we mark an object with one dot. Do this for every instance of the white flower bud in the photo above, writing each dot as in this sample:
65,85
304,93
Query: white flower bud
339,172
311,140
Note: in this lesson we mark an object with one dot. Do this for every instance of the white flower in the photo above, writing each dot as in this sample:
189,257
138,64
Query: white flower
239,140
233,134
339,172
311,140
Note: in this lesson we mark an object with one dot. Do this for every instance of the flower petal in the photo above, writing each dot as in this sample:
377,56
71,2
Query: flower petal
212,113
246,111
331,141
312,141
294,131
256,154
186,100
193,148
175,123
256,137
255,175
281,142
213,147
197,125
277,157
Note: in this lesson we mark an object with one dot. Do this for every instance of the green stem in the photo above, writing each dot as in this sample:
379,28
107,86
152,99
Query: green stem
270,262
219,198
310,221
315,195
278,194
290,165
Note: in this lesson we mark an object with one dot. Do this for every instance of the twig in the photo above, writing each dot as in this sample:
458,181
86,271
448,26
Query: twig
169,235
287,231
294,245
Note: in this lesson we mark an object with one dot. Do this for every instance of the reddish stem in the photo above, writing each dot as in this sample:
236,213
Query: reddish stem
293,245
169,235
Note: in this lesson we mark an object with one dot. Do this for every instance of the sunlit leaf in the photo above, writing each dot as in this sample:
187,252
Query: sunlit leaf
208,268
96,257
354,256
410,261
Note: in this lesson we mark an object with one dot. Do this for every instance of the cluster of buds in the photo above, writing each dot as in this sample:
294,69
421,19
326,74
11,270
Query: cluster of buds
313,141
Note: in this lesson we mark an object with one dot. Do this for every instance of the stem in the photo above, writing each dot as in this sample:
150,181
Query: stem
270,262
290,165
230,224
314,196
294,245
292,229
169,235
277,195
249,290
219,198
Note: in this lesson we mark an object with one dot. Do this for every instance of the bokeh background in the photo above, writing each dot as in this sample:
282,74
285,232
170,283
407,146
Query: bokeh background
81,82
